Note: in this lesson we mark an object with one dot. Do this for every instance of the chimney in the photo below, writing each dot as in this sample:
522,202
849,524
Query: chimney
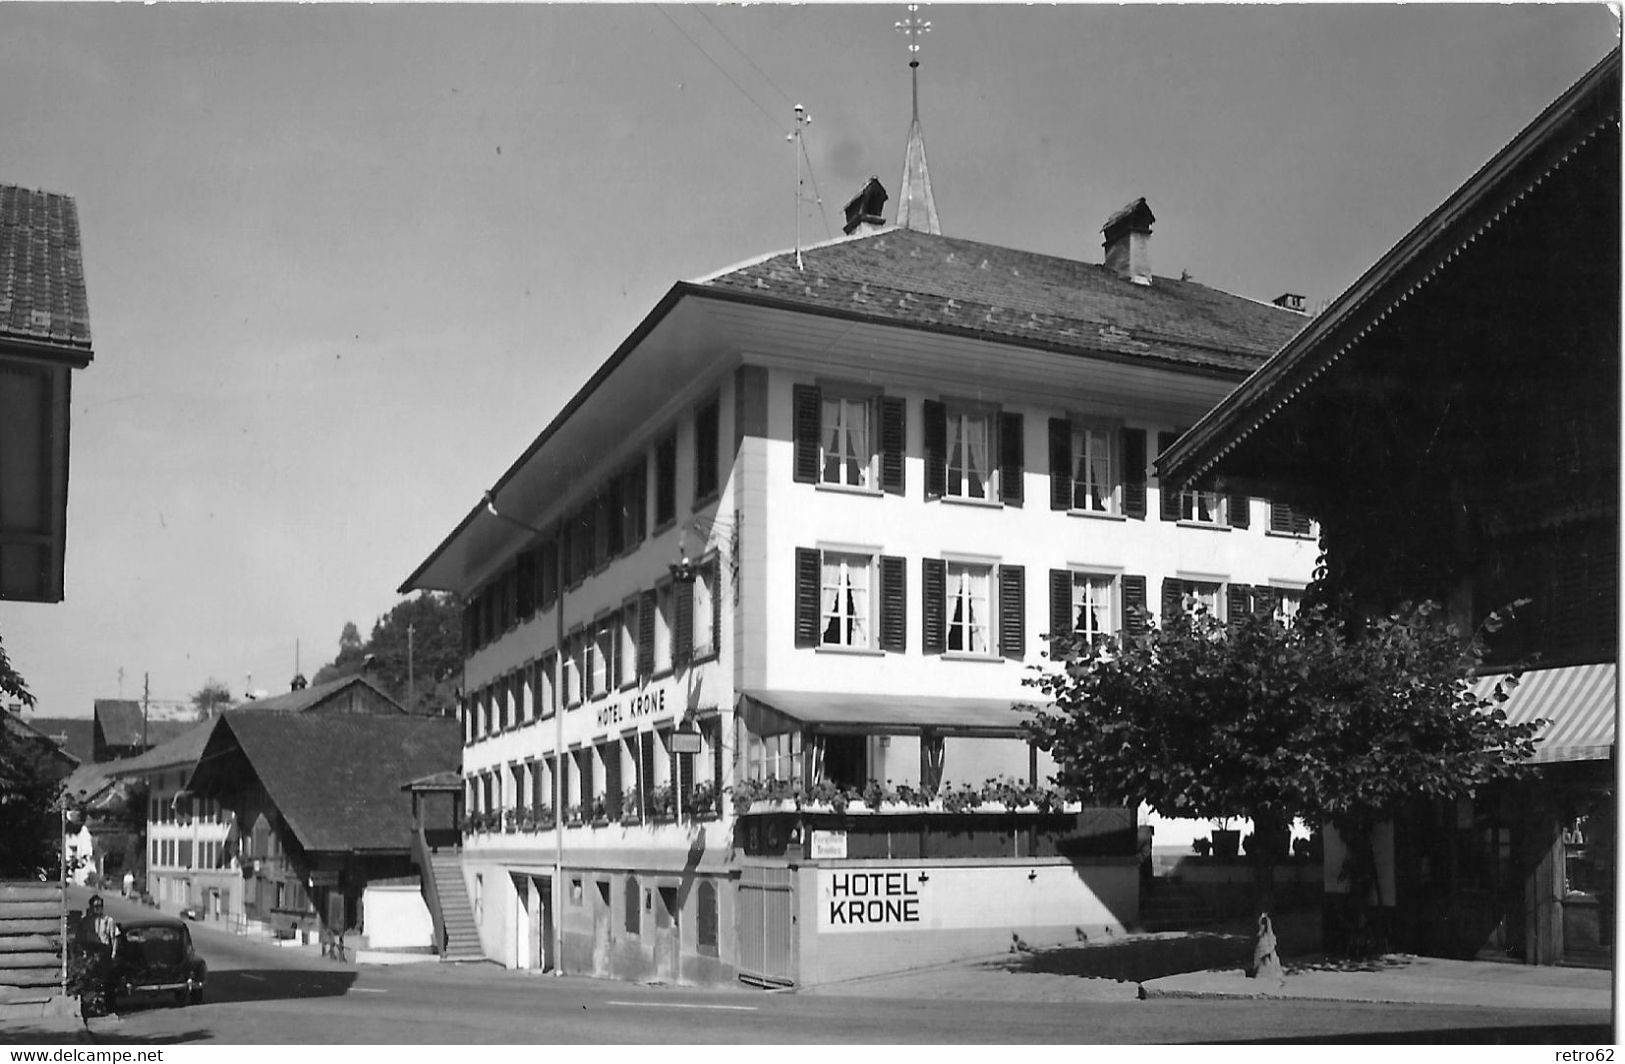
1128,242
299,682
863,210
1289,301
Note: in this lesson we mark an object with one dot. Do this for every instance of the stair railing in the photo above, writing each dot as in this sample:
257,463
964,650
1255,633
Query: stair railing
430,888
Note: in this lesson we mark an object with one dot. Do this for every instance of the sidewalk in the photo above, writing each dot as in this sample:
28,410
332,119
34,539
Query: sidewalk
1073,974
1402,978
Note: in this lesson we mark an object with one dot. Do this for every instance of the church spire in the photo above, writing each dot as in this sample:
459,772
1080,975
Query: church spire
915,207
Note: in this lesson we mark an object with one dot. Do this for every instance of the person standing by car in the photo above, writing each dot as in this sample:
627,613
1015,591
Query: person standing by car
97,933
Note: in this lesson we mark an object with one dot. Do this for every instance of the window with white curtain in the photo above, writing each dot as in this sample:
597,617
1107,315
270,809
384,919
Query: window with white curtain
970,453
1093,485
846,442
968,607
845,601
1094,605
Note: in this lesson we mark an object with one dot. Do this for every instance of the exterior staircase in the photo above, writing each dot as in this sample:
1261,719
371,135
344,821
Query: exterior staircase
31,922
456,912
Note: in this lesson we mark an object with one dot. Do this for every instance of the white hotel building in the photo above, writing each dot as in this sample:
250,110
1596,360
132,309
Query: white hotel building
895,462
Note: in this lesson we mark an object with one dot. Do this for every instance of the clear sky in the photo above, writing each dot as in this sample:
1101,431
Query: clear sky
345,262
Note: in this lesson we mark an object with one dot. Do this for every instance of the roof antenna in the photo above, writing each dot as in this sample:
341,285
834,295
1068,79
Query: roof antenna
802,119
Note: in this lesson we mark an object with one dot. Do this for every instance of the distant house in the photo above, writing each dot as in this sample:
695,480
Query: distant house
190,852
121,728
316,805
44,335
58,762
351,694
73,734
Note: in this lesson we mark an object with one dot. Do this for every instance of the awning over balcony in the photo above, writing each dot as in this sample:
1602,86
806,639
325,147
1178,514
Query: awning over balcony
776,712
1578,700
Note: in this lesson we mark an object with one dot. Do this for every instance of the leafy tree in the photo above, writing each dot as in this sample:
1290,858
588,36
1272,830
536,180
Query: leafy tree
1326,719
212,697
12,685
29,824
421,667
351,657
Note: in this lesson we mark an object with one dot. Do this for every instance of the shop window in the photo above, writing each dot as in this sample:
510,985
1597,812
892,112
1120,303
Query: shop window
773,757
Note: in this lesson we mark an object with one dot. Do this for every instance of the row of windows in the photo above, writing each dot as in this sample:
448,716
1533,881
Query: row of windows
636,775
656,632
186,808
179,853
855,438
858,601
613,522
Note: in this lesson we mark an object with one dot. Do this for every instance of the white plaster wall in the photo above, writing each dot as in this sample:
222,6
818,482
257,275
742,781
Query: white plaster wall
397,918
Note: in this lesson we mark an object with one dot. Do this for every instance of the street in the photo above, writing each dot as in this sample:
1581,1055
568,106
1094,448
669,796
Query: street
261,994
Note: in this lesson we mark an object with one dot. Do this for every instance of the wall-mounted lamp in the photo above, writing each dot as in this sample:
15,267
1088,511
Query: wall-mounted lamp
683,571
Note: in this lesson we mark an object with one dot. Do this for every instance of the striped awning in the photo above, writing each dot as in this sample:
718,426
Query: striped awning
1579,700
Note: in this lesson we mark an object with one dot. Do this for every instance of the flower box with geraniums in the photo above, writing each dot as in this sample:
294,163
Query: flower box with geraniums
510,821
663,804
542,818
600,812
631,806
572,816
995,796
702,802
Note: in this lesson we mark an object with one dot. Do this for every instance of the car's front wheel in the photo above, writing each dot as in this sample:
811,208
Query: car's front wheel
196,996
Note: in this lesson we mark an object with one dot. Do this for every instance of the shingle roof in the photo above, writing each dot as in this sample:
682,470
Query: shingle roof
180,750
42,277
311,697
1004,294
336,780
76,735
120,719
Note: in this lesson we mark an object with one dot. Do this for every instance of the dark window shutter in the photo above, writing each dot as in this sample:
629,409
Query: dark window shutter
936,449
468,629
550,572
1012,459
611,753
646,782
647,603
637,516
893,443
893,603
1170,497
808,569
1060,464
933,614
666,481
1238,601
612,520
1061,621
682,637
1135,618
1012,611
713,580
1133,446
808,417
1264,598
526,585
1173,599
707,430
1239,511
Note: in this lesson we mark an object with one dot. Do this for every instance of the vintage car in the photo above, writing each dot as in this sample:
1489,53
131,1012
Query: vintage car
154,955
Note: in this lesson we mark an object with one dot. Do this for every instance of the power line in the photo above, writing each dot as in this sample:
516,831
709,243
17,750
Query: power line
723,71
700,12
